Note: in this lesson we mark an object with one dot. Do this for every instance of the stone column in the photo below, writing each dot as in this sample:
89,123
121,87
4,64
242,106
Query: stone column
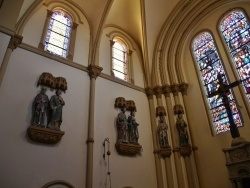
183,89
150,93
158,92
166,151
14,42
45,29
179,175
94,71
72,41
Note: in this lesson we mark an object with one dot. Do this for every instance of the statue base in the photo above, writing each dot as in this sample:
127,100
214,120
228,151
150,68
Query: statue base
185,151
44,135
128,149
165,152
238,164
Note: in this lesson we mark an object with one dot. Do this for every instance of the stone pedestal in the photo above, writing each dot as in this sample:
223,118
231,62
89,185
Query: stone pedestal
238,164
44,135
128,149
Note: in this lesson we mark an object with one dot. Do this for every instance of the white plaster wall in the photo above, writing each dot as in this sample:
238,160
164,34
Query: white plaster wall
137,171
28,164
210,147
3,45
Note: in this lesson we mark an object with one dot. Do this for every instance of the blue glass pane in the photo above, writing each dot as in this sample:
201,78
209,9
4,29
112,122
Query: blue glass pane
210,65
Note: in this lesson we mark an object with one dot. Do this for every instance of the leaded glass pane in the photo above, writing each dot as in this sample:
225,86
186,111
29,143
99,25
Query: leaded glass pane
209,65
235,29
57,39
119,59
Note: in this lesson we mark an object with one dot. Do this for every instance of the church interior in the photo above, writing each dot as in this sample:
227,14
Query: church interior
125,93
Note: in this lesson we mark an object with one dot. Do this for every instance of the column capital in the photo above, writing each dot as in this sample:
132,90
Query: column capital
183,88
157,91
74,26
94,71
149,92
166,90
15,41
112,43
49,13
160,111
175,89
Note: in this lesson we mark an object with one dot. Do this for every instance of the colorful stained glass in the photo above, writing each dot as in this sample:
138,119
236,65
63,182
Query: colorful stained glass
235,29
57,39
210,65
119,59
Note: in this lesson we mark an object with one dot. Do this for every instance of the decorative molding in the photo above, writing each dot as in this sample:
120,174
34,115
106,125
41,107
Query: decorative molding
157,91
47,79
183,88
15,40
174,89
165,152
149,92
185,151
178,109
128,149
90,140
160,111
44,135
94,71
166,90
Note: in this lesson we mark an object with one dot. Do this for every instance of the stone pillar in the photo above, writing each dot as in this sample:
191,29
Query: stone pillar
150,93
180,178
94,71
183,88
72,41
158,92
14,42
165,151
45,29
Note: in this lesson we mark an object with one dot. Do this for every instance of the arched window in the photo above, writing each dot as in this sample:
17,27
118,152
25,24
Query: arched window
235,30
58,34
120,59
210,65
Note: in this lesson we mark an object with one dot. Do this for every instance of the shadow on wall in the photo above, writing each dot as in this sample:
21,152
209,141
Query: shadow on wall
61,183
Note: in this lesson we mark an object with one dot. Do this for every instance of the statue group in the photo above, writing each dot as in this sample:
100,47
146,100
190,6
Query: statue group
127,128
52,108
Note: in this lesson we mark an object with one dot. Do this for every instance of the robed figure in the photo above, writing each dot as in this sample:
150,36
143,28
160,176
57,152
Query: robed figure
133,129
122,127
56,106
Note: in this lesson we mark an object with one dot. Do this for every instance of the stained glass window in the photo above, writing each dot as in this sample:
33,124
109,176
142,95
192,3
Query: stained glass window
236,32
119,59
210,65
57,38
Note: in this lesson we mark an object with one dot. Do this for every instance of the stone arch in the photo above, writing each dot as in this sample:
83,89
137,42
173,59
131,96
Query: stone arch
53,184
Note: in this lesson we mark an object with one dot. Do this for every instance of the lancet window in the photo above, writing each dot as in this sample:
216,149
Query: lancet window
120,59
235,30
209,65
58,34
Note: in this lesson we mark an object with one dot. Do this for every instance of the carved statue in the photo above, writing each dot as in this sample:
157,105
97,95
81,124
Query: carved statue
55,115
40,108
162,133
182,129
122,127
133,129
